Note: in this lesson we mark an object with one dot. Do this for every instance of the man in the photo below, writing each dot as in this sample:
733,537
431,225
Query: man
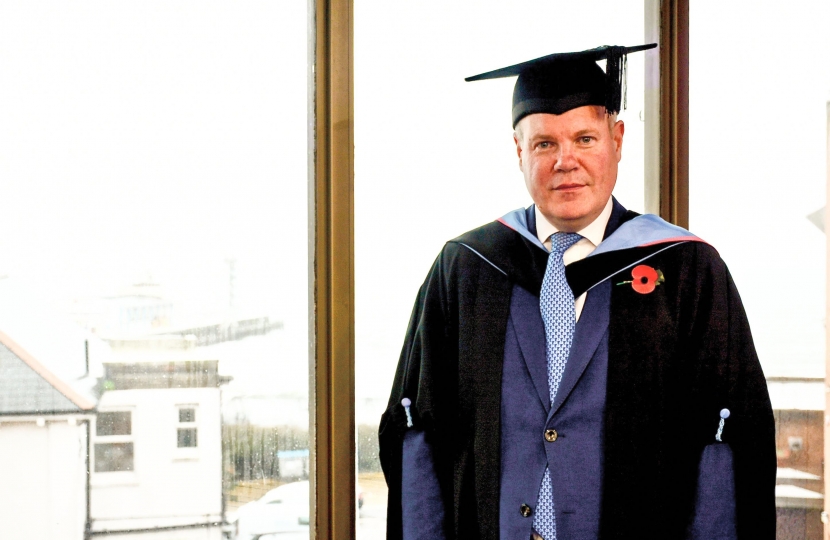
573,370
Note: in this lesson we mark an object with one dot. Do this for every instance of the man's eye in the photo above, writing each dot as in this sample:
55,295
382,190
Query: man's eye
544,145
586,139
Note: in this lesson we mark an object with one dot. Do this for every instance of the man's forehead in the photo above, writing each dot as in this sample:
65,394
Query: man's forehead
578,118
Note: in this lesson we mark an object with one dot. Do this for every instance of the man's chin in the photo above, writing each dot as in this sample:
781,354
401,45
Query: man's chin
570,219
560,215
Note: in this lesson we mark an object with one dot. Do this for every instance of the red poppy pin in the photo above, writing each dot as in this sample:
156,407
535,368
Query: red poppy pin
644,279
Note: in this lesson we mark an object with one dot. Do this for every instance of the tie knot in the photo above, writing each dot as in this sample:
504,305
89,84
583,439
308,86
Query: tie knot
560,242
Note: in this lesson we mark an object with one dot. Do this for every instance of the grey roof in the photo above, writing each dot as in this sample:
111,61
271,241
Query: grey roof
24,390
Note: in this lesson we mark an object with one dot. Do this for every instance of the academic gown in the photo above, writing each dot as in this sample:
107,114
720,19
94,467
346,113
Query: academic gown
677,356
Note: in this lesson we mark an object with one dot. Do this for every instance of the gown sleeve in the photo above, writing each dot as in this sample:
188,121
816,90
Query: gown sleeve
735,495
714,515
406,458
421,503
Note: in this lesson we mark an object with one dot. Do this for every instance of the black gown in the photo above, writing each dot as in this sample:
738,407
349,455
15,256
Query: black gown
677,357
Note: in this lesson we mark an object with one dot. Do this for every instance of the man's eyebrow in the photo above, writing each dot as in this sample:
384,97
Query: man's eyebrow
538,136
586,131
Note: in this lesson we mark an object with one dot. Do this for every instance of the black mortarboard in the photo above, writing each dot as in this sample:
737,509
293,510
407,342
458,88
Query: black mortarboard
559,82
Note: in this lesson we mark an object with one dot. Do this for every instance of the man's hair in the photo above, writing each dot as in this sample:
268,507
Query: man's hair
611,118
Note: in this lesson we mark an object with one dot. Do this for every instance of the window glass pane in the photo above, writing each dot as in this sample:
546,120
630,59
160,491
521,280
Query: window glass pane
113,423
758,128
187,415
110,457
434,157
153,268
186,438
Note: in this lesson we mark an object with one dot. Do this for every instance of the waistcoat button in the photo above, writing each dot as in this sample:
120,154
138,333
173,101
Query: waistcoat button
551,435
525,510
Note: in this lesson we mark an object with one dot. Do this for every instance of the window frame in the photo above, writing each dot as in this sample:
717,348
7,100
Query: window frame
331,226
112,476
186,451
331,269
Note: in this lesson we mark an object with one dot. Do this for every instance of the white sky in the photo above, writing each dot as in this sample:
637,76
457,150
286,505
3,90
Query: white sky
156,137
758,123
163,136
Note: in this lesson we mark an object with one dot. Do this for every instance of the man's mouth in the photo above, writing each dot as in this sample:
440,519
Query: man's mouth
568,187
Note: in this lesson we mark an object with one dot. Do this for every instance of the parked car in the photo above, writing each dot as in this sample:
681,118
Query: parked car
282,514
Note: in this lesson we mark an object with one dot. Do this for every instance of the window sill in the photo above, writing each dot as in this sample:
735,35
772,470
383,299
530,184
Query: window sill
114,479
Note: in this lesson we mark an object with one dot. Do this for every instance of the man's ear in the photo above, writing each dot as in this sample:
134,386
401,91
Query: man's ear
617,133
518,148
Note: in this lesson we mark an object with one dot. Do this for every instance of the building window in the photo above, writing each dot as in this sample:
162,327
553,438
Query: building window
187,438
113,457
114,450
114,423
187,415
186,432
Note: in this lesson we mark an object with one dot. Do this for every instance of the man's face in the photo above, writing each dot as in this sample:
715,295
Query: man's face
570,162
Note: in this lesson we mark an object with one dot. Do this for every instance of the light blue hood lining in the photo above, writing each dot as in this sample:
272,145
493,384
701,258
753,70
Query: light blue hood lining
517,220
641,231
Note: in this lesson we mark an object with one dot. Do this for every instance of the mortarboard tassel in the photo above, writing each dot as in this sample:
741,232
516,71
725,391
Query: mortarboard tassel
625,81
615,70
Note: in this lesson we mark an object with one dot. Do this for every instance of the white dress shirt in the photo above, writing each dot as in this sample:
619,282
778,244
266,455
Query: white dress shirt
591,237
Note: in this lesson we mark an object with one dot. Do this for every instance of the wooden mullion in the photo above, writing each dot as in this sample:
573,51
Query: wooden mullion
332,270
674,111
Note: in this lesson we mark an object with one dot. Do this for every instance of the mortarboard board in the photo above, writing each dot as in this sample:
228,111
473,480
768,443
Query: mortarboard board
559,82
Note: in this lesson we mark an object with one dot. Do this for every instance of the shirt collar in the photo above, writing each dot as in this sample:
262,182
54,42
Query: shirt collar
593,232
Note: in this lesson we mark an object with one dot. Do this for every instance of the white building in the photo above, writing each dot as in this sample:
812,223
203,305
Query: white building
44,427
142,461
157,452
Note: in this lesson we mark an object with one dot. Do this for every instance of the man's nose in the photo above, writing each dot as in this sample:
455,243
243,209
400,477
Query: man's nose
565,160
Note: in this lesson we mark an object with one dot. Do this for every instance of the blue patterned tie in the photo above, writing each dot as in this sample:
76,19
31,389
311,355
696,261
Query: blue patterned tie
556,302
